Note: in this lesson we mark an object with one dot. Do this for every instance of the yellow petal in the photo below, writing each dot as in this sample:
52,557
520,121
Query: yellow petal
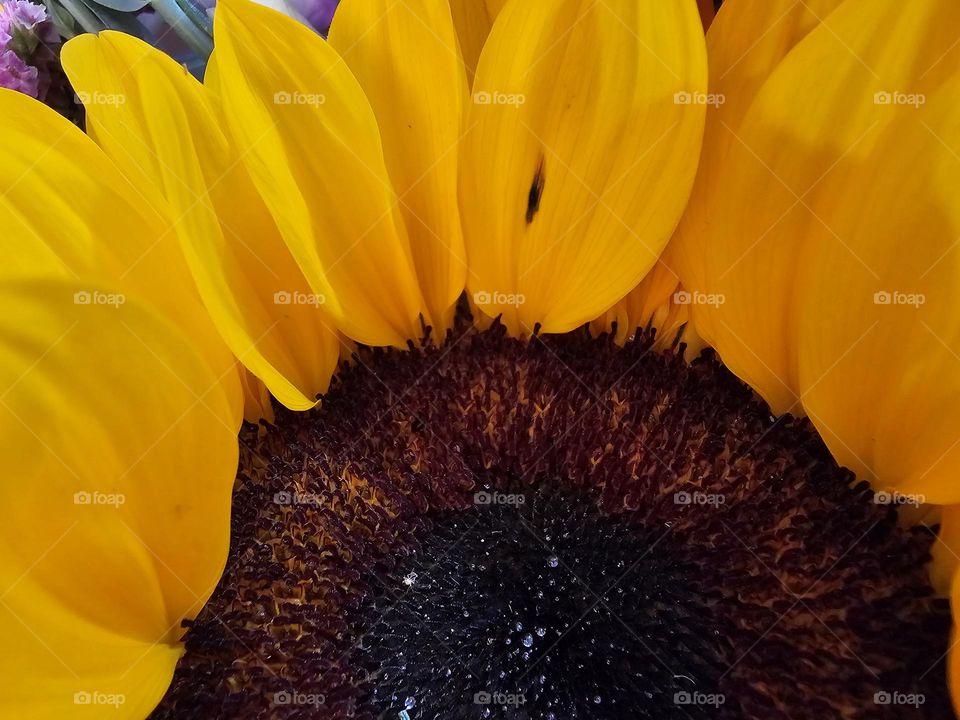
121,455
306,132
638,308
879,352
782,184
165,137
746,43
256,399
580,152
473,19
824,183
946,551
66,209
405,57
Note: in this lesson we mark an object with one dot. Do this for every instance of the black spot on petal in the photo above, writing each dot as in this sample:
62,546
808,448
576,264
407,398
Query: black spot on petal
536,191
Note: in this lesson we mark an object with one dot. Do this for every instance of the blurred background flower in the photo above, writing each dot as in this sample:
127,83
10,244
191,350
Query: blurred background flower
31,34
27,42
30,56
184,28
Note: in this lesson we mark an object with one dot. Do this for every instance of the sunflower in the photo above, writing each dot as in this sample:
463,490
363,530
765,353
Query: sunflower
531,499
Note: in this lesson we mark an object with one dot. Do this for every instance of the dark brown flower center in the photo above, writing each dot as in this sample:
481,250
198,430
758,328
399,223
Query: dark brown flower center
554,529
533,604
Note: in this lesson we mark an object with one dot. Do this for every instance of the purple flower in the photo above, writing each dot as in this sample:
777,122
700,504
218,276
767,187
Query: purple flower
318,13
23,13
21,17
17,75
29,46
